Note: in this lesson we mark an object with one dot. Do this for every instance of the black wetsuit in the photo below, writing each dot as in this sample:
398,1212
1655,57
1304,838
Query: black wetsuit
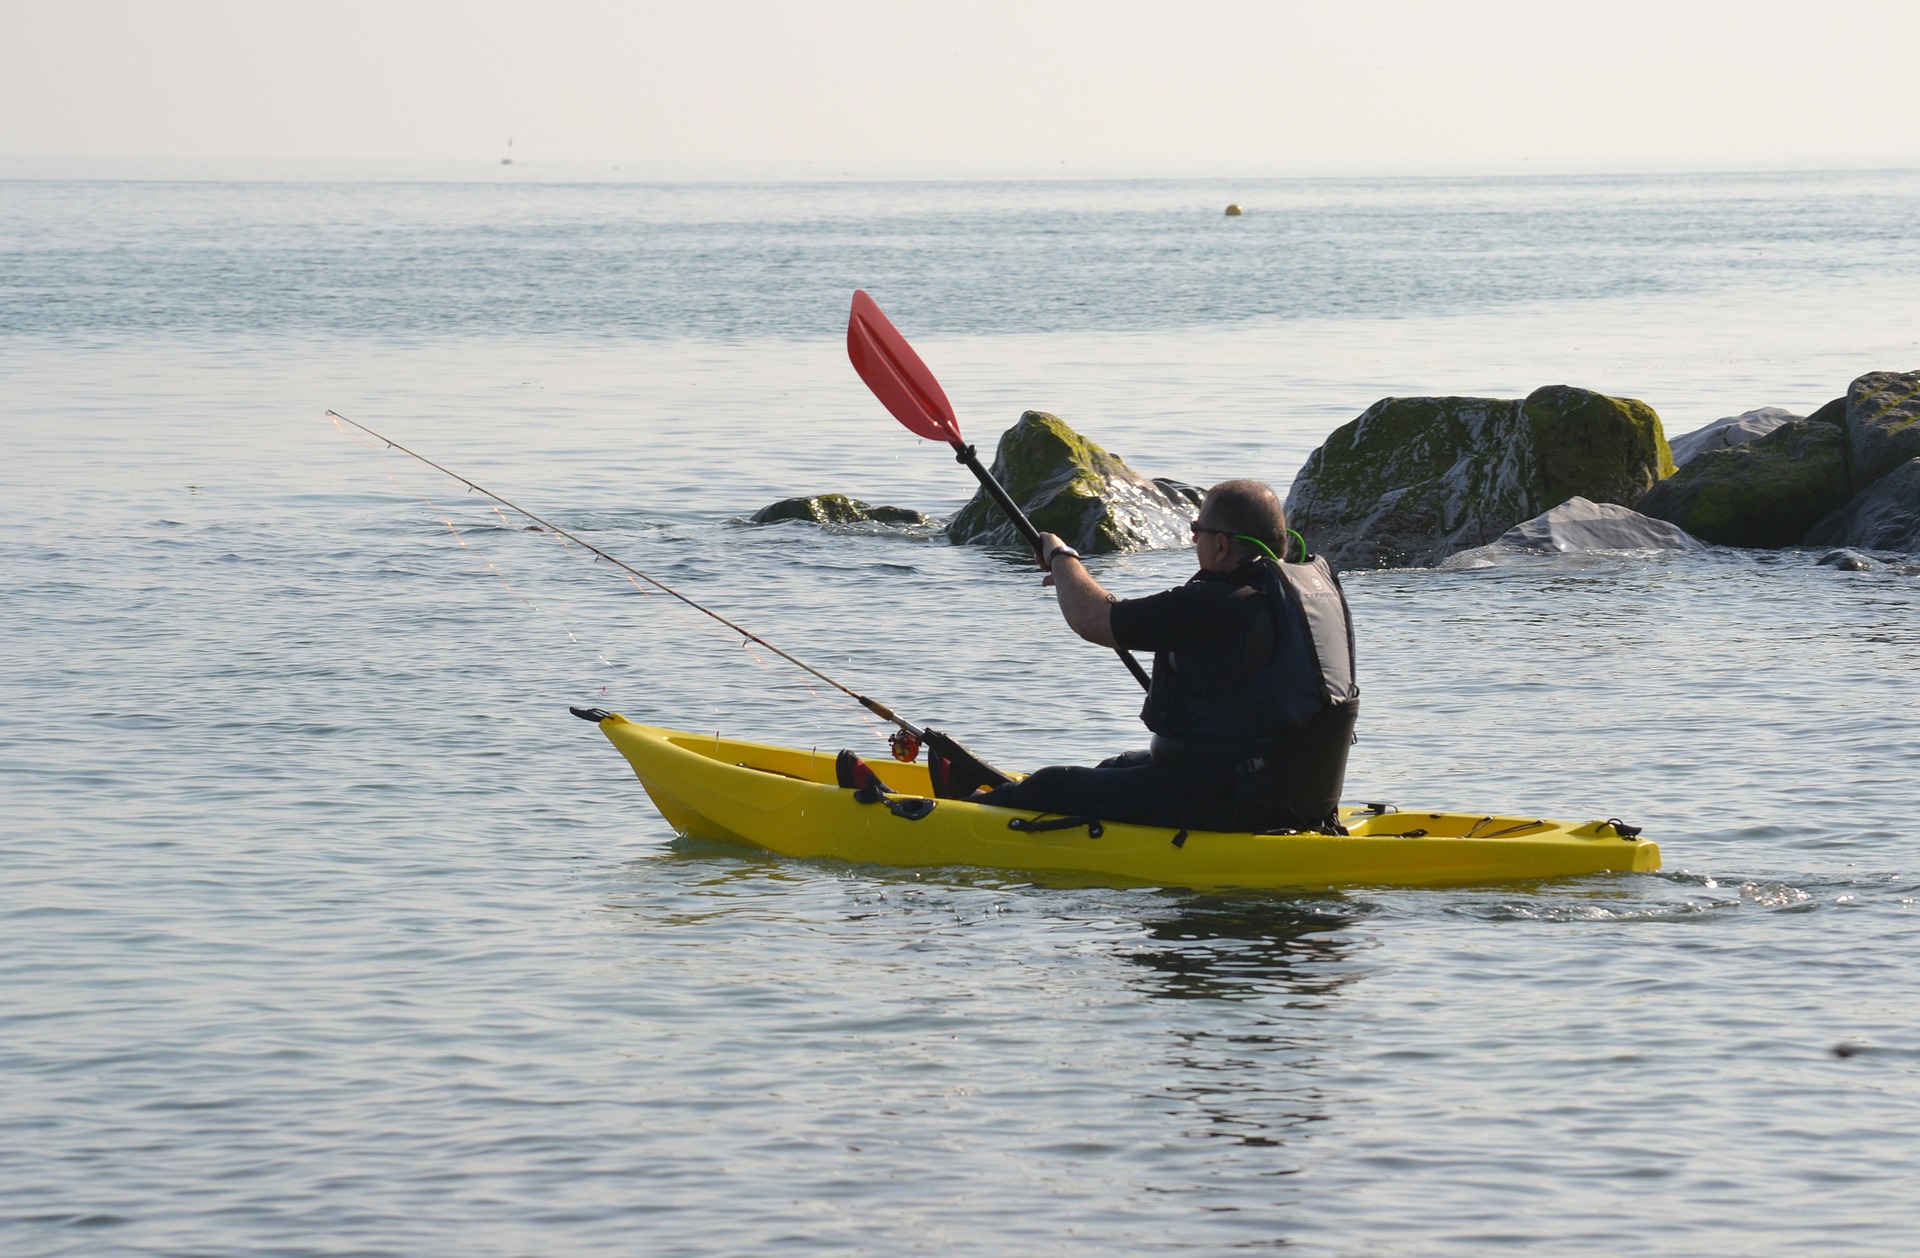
1244,735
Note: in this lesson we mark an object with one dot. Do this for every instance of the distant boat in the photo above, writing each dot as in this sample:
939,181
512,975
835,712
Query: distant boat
508,159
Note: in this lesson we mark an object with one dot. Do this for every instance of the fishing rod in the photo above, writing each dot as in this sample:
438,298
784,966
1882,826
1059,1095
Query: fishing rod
874,706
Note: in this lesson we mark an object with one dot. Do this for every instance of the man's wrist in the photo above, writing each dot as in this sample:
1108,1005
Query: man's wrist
1058,551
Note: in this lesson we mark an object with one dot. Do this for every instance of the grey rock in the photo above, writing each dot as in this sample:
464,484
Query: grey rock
1413,480
1847,561
1884,516
835,509
1734,430
1883,424
1765,493
1578,526
1834,412
1179,492
1069,486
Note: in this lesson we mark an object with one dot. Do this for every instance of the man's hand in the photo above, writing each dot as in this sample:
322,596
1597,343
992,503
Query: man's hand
1049,542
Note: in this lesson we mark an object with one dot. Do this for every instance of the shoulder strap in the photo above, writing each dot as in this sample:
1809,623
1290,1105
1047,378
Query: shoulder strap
1315,590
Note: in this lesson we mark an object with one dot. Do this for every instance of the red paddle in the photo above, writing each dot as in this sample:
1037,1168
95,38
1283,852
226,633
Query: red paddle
895,373
907,389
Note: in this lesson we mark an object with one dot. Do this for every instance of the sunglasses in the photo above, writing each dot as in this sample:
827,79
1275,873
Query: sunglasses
1199,528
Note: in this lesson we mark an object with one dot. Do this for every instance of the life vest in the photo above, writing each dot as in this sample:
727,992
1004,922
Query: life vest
1276,732
1328,623
1210,697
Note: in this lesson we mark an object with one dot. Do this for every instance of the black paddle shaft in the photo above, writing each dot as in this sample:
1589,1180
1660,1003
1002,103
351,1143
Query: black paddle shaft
967,455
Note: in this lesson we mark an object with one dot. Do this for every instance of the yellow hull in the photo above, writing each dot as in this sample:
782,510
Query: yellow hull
786,801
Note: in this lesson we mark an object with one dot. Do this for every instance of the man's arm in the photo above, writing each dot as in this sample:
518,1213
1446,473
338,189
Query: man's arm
1086,605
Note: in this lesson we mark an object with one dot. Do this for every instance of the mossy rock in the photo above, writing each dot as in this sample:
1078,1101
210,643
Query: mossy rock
1413,480
1766,493
1069,486
1607,449
835,509
1883,424
1883,516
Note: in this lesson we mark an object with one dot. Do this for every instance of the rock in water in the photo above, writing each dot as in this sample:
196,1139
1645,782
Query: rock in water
1765,493
835,509
1413,480
1884,516
1882,432
1579,526
1734,430
1847,561
1180,491
1070,486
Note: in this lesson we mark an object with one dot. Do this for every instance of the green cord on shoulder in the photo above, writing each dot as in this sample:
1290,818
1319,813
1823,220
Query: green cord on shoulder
1268,551
1264,548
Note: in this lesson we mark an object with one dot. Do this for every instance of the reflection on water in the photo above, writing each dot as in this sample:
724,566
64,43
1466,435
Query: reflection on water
1203,1023
1236,948
1256,1090
1254,1082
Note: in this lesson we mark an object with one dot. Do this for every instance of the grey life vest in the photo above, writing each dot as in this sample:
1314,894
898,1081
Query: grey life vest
1212,709
1328,622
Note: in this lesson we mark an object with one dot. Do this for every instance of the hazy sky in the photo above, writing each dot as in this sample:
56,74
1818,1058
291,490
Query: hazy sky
1024,82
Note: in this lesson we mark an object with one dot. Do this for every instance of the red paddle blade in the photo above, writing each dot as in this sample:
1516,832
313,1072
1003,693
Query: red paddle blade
896,375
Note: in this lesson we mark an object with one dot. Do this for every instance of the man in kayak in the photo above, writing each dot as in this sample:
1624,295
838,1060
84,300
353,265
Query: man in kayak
1252,704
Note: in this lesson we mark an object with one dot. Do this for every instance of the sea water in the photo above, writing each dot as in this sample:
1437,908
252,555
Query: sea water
324,929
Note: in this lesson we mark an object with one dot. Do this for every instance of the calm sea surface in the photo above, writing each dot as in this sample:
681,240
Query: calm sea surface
324,929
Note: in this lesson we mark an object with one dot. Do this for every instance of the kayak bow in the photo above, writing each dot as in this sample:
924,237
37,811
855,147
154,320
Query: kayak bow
787,801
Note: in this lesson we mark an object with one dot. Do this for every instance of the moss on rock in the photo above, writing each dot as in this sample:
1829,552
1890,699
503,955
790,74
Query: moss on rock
1883,516
1883,424
1070,486
1766,493
1585,444
835,509
1413,480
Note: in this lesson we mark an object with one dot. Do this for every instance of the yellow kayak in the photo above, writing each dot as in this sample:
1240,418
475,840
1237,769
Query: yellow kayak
787,801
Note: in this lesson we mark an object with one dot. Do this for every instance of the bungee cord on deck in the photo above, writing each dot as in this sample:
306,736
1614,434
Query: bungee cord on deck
748,638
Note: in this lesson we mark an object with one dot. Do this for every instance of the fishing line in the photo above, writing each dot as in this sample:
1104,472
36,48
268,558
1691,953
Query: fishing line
748,639
566,542
445,516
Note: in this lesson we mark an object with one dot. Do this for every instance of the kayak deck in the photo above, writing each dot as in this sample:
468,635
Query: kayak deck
786,801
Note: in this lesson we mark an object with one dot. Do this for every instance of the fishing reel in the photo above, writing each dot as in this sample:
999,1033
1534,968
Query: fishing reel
905,746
